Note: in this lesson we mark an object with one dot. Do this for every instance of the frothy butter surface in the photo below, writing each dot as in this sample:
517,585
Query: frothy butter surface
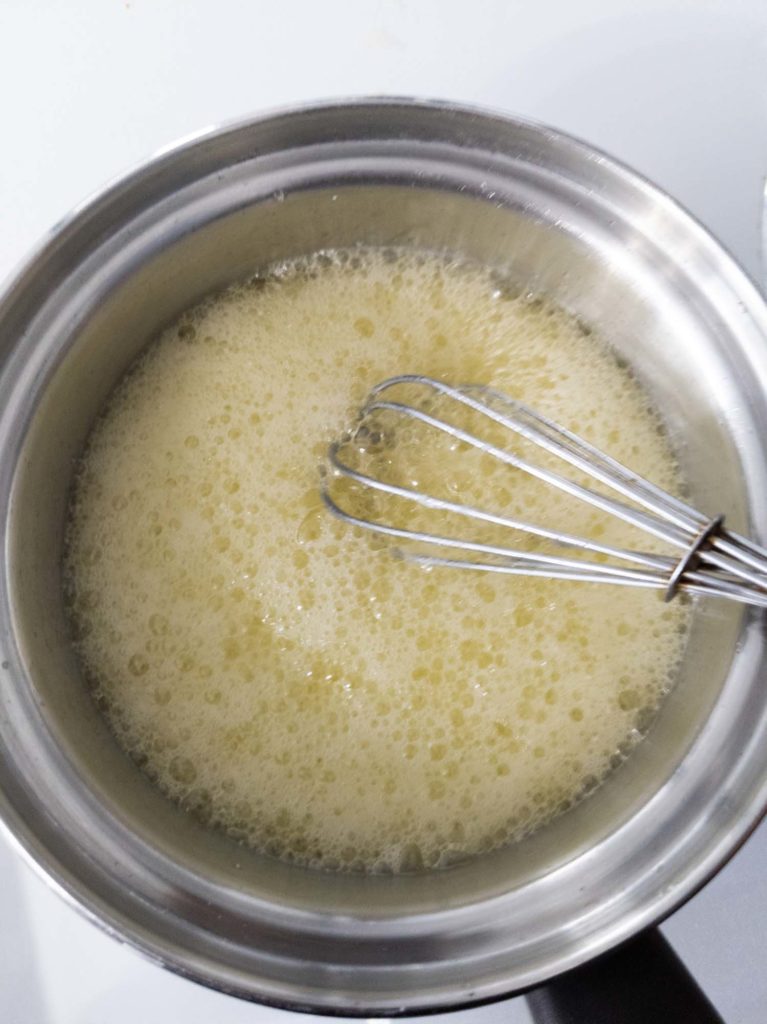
278,675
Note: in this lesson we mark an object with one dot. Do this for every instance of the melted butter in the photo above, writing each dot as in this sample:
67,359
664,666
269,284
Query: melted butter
276,672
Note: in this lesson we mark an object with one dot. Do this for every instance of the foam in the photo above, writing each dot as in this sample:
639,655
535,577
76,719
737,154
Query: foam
276,672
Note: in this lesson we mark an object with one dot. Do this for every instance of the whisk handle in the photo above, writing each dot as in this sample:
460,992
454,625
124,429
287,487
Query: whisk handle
642,981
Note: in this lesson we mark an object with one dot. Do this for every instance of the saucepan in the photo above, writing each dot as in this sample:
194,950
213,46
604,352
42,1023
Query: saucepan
563,220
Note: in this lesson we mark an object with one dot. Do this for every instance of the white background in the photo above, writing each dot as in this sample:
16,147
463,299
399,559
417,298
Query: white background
88,88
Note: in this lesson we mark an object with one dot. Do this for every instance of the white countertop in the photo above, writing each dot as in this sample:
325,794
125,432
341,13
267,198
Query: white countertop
88,88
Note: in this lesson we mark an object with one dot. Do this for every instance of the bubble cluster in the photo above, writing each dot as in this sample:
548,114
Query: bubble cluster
276,672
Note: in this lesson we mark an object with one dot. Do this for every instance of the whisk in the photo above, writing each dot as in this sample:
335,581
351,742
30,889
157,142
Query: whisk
712,560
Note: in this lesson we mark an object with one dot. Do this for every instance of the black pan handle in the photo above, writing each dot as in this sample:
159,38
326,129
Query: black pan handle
641,982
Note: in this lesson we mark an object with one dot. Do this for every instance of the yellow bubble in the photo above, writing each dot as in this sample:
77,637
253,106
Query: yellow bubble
364,326
138,665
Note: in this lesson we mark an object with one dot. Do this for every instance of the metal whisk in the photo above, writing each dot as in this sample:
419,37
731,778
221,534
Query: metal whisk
712,559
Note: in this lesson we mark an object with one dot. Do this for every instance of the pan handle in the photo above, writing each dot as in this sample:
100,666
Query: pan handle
642,981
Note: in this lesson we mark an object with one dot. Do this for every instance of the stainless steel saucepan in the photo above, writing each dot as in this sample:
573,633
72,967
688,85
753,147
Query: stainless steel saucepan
550,213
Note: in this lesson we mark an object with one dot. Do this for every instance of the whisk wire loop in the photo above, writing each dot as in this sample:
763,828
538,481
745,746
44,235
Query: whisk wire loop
713,560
